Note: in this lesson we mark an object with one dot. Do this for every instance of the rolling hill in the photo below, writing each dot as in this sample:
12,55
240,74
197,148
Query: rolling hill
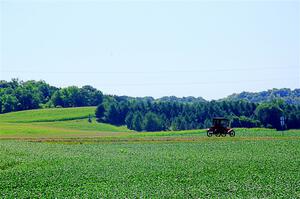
71,122
48,115
287,95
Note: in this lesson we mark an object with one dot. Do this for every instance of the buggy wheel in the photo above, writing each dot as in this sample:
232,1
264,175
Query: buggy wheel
209,133
218,134
232,133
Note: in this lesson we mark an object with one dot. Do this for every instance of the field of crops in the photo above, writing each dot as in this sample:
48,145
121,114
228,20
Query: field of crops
61,154
48,115
222,169
58,122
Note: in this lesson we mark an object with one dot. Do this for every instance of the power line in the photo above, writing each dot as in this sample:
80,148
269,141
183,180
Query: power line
149,72
193,83
174,71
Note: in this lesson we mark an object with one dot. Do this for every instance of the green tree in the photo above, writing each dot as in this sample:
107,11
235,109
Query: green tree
112,115
100,113
243,121
293,120
91,96
74,96
57,99
137,122
152,122
9,103
269,115
28,97
129,120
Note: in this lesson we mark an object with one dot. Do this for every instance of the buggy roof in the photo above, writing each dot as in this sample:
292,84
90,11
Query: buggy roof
220,118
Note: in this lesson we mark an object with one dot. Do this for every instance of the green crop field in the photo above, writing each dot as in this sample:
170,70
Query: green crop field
57,153
58,122
48,115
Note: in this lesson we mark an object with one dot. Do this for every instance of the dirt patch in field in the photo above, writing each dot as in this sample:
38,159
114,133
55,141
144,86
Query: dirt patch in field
101,139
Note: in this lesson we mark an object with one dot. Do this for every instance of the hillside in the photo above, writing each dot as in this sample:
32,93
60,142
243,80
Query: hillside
145,113
48,115
287,95
55,122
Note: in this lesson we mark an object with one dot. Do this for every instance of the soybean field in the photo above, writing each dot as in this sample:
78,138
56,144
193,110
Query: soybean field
62,155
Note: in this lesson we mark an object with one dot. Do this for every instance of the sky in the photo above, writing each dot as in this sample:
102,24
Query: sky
153,48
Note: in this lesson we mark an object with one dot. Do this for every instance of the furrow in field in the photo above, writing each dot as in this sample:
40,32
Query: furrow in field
121,137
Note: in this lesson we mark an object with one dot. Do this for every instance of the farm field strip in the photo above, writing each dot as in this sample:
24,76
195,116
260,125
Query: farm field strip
98,132
63,123
49,129
245,169
48,115
124,137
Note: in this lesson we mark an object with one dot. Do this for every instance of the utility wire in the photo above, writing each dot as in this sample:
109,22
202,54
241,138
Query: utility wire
173,71
193,83
149,72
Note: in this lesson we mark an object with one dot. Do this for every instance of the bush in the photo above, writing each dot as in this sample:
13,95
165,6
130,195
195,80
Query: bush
244,122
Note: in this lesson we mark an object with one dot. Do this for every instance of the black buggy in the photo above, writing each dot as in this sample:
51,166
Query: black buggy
220,128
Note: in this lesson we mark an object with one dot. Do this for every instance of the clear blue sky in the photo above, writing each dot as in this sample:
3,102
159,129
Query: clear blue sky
153,48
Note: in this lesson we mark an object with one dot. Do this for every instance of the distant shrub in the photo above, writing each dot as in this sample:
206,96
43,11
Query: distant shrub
246,122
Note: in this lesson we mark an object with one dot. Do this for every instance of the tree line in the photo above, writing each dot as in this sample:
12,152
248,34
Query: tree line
287,95
18,95
147,113
155,115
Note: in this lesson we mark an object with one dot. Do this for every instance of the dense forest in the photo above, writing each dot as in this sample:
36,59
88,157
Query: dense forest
154,115
17,95
149,114
287,95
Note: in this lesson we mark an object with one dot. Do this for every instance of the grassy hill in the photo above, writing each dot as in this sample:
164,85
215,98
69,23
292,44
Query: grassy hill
48,115
72,124
56,122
